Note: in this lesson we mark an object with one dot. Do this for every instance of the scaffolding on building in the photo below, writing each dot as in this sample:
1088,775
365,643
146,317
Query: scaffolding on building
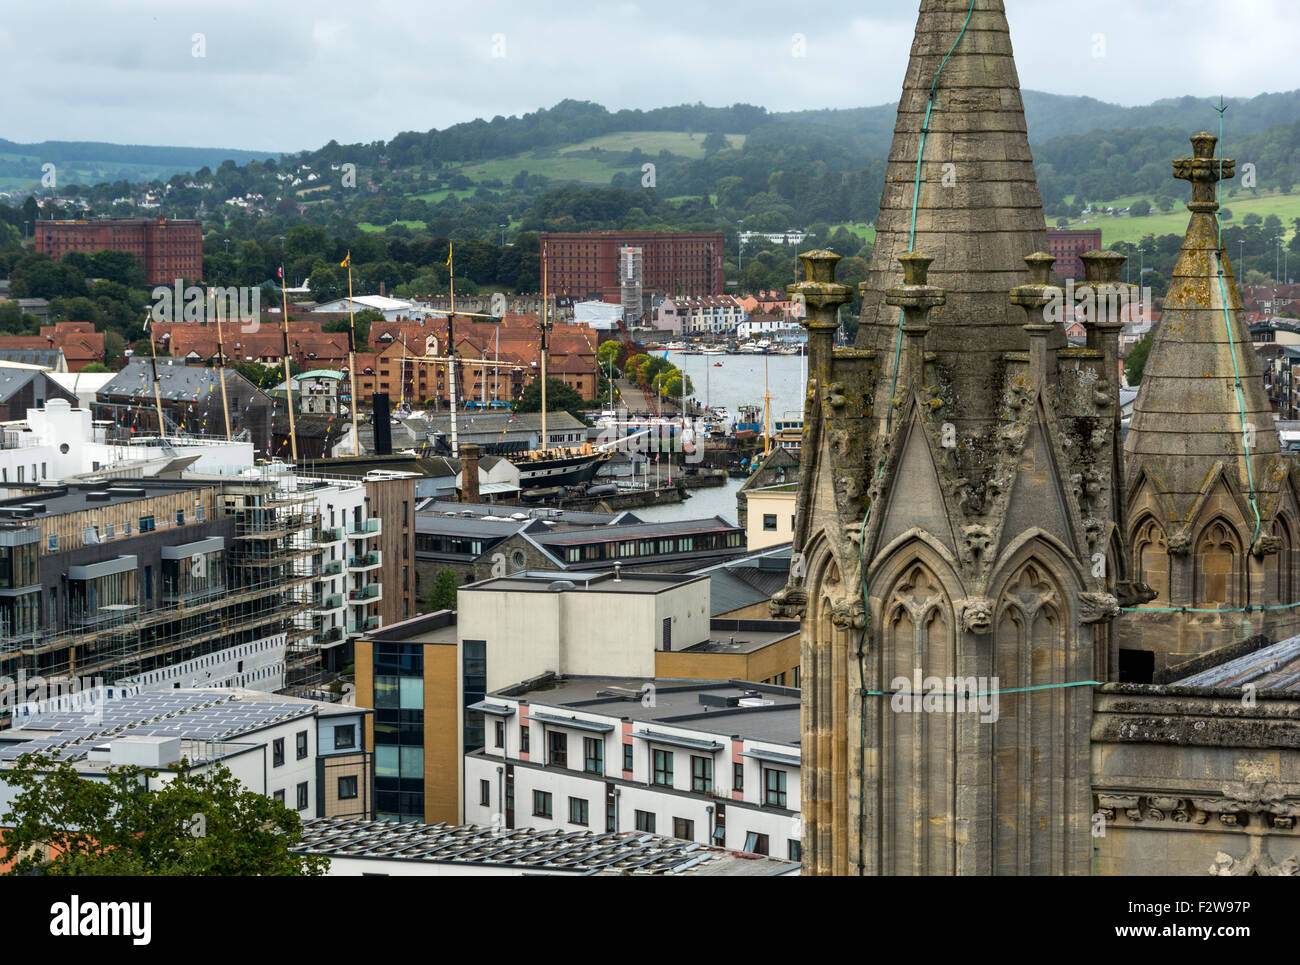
266,591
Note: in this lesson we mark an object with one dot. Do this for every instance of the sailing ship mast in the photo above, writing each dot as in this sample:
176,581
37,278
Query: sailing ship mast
545,331
153,358
352,357
221,368
288,377
451,349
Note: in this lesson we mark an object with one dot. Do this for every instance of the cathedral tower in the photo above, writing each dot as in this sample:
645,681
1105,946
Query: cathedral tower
957,504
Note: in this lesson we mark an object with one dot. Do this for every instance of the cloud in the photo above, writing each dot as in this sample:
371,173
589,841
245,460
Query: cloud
296,74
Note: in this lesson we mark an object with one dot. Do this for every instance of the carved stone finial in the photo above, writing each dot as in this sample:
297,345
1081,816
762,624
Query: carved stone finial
916,297
819,292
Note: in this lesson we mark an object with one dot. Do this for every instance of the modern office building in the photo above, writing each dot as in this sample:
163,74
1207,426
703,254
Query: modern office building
423,676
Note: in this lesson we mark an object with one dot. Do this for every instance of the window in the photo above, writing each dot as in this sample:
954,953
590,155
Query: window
345,737
794,850
668,633
542,804
738,776
611,813
578,811
499,733
593,755
663,768
180,517
756,843
773,788
645,821
485,793
627,757
683,829
146,524
702,774
559,748
279,796
347,787
300,741
769,521
277,752
523,738
302,796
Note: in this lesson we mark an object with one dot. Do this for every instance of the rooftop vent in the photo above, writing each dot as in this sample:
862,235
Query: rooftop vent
559,586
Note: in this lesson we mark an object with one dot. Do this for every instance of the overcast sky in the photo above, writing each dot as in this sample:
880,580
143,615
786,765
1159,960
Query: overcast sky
292,74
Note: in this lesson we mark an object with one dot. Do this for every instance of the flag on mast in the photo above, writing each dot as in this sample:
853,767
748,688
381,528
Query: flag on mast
450,248
347,260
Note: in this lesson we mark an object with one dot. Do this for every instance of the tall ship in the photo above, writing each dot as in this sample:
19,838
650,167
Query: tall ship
560,465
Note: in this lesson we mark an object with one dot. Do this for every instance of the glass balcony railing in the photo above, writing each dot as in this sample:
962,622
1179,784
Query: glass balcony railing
369,527
370,592
332,534
364,562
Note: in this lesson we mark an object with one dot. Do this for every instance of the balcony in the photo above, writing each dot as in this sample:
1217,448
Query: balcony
332,568
367,594
325,604
333,534
363,626
331,635
364,529
367,561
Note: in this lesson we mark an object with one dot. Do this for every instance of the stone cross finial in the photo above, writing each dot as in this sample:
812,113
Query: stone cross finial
1204,170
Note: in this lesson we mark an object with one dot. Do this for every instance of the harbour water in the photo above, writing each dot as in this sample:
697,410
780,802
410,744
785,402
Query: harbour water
709,501
739,380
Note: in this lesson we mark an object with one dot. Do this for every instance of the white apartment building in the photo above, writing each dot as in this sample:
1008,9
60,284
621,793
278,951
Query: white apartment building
58,442
699,315
714,762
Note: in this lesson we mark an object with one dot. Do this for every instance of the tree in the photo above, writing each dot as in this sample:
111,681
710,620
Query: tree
1139,209
204,823
362,320
715,142
608,353
442,595
96,367
1136,360
559,398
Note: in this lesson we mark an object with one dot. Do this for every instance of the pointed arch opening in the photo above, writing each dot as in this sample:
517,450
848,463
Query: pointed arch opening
1218,570
1151,558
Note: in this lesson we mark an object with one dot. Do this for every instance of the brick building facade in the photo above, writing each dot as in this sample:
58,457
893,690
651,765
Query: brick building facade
586,264
167,249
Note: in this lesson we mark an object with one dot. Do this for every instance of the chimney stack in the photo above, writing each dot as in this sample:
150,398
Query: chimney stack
469,472
381,290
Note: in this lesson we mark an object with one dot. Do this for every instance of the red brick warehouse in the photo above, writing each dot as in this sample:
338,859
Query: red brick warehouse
586,264
167,249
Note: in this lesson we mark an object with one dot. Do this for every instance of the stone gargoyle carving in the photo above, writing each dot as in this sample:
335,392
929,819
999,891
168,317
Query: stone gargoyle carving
1096,607
977,615
1180,542
1266,544
789,603
976,540
1134,593
849,614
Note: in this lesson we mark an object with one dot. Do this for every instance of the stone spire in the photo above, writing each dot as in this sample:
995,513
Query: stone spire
1188,418
978,211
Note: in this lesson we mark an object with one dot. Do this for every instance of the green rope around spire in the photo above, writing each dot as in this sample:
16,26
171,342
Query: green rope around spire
889,424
